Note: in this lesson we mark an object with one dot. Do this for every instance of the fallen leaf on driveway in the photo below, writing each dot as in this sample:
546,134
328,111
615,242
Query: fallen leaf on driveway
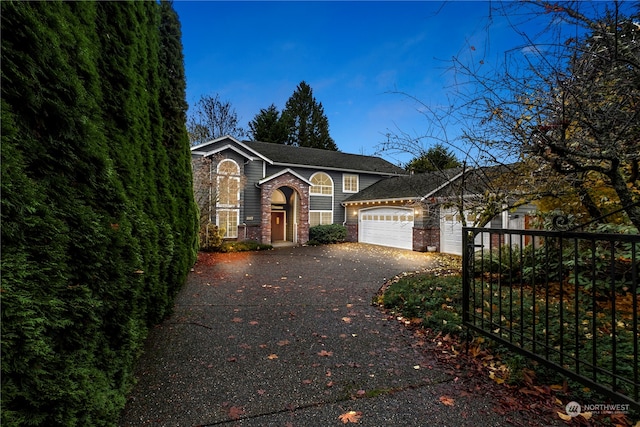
350,417
447,400
325,353
235,412
346,319
283,342
272,356
236,319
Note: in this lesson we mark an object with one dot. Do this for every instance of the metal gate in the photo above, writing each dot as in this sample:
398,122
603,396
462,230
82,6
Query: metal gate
566,299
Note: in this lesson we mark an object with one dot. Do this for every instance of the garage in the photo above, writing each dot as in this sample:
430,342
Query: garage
386,227
451,231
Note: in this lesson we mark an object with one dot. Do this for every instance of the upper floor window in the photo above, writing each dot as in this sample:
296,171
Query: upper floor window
322,184
350,183
228,184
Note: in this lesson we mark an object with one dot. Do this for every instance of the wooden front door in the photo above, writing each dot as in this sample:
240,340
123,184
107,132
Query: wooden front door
277,226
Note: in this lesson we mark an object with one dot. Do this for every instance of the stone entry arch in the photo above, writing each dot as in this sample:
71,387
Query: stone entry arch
296,209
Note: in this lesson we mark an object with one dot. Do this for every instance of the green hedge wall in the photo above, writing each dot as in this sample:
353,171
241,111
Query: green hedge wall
99,225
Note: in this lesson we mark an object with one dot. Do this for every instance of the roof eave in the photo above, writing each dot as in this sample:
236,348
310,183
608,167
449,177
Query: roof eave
295,165
282,172
391,200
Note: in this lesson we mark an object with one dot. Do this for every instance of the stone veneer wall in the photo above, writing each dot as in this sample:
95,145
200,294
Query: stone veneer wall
423,237
352,232
267,189
252,232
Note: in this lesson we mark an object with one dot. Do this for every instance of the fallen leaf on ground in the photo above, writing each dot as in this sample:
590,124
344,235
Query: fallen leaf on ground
283,342
325,353
346,319
350,417
586,415
236,319
564,416
272,356
235,412
446,400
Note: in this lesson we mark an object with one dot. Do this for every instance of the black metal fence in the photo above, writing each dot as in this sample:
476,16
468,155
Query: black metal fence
566,299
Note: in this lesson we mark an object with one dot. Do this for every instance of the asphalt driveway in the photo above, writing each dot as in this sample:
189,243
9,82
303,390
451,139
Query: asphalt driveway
288,337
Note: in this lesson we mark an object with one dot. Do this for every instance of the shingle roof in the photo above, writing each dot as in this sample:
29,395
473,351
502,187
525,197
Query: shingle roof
407,186
304,156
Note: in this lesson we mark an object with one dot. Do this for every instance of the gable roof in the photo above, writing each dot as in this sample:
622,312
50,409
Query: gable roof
291,156
282,172
405,187
287,155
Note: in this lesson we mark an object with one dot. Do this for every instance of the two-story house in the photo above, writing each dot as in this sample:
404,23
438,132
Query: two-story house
273,193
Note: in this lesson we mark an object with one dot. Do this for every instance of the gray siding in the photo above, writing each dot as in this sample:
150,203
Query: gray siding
320,203
251,212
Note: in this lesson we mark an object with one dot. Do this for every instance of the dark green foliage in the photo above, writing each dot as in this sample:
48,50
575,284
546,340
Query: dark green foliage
243,246
269,126
435,299
437,158
307,125
327,234
98,219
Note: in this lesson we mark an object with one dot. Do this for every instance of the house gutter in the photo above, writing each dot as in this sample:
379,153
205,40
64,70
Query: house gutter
360,202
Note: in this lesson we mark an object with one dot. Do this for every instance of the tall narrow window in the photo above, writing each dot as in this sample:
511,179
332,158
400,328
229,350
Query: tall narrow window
228,198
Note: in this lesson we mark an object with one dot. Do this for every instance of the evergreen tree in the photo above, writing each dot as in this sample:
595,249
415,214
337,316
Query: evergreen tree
437,158
269,126
97,209
306,122
176,142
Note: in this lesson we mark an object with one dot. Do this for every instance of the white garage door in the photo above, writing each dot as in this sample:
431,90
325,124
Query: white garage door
451,231
387,227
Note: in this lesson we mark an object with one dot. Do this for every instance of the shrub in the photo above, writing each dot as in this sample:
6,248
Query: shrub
434,298
503,262
98,219
211,238
244,246
326,234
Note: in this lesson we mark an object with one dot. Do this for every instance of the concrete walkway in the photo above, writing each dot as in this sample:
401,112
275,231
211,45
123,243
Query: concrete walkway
289,337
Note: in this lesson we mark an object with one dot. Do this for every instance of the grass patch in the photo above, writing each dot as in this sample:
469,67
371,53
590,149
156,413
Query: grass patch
435,302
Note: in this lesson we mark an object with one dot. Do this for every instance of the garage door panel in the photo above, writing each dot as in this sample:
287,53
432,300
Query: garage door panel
387,227
451,231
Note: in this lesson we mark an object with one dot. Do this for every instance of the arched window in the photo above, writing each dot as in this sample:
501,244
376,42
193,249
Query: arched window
228,197
322,184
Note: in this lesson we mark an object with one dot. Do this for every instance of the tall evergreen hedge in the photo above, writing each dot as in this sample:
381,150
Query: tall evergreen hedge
98,219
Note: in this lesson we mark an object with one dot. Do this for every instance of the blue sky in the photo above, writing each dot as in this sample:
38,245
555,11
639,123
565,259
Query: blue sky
356,56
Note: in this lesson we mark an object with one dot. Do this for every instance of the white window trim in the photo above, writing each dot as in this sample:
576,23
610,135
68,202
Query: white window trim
344,176
229,232
321,212
234,177
312,193
232,231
